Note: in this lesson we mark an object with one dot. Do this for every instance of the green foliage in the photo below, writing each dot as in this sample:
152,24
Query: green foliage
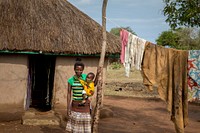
168,38
116,31
115,65
182,13
182,38
188,38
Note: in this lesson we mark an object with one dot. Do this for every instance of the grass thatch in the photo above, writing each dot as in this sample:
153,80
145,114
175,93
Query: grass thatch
50,26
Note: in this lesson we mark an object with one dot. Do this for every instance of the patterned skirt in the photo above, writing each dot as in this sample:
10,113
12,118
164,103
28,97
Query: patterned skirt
79,122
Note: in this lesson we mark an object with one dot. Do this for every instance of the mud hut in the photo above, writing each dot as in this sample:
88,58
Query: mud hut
39,43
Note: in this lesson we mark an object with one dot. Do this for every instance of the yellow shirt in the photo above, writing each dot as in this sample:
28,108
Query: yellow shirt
88,87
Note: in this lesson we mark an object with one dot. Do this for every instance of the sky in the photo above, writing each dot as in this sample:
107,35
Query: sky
144,17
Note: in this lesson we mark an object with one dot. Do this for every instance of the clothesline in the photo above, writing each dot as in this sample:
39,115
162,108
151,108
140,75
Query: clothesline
121,27
153,61
114,23
175,73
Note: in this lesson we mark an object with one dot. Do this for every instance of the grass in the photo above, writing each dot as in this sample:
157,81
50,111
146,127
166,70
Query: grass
118,84
119,75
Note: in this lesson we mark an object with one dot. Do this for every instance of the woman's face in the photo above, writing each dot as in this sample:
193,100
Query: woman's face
78,70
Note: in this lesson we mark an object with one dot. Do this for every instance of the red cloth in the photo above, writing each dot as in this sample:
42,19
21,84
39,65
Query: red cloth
124,41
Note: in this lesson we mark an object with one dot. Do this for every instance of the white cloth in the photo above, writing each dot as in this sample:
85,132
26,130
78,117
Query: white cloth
127,64
134,51
139,52
83,92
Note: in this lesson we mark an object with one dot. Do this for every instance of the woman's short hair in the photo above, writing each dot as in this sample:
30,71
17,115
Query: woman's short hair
79,63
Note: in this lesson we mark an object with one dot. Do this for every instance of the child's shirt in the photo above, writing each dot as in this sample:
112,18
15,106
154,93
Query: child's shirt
88,87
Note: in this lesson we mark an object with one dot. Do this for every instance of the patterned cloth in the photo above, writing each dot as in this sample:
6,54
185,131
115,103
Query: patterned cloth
77,87
194,75
88,87
74,78
79,122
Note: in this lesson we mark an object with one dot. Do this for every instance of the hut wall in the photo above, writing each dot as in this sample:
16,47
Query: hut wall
65,69
13,85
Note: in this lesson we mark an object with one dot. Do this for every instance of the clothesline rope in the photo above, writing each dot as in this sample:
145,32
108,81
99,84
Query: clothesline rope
121,27
113,23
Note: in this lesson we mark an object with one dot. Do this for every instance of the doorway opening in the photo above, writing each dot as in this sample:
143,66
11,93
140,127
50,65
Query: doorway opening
41,79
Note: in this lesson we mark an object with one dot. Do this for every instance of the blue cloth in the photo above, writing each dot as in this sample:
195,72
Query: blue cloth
194,75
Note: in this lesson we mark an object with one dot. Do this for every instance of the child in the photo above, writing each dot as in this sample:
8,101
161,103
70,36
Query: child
88,86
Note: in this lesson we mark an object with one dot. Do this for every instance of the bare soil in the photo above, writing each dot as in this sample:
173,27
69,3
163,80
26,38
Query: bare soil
128,108
143,115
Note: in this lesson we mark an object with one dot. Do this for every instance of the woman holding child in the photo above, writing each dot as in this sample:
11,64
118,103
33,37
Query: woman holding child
78,111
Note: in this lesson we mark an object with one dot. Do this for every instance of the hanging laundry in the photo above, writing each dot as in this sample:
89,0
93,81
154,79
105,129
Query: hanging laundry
127,61
124,40
137,46
166,69
133,51
193,75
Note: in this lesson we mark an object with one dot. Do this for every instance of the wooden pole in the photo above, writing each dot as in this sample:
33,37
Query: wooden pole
100,78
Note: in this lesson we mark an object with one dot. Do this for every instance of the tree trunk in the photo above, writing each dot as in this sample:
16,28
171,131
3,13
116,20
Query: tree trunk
100,78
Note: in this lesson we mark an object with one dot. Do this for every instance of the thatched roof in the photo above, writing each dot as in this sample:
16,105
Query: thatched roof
50,26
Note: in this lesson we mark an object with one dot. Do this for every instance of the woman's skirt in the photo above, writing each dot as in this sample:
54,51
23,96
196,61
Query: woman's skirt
79,122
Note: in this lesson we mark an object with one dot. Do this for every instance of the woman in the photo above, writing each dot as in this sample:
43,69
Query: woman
79,116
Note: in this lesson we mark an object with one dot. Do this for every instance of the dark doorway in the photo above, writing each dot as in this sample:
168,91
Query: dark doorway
41,78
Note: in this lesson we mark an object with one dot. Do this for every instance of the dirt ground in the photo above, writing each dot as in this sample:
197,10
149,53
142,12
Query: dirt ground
132,109
143,115
130,115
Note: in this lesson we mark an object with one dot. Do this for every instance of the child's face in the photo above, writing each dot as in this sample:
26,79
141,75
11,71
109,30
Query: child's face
78,70
89,77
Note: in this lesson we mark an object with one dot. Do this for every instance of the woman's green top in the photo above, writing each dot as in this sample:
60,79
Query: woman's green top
77,87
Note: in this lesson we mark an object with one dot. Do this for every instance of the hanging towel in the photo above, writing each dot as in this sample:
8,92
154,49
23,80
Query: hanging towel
137,50
193,75
134,51
166,70
124,41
